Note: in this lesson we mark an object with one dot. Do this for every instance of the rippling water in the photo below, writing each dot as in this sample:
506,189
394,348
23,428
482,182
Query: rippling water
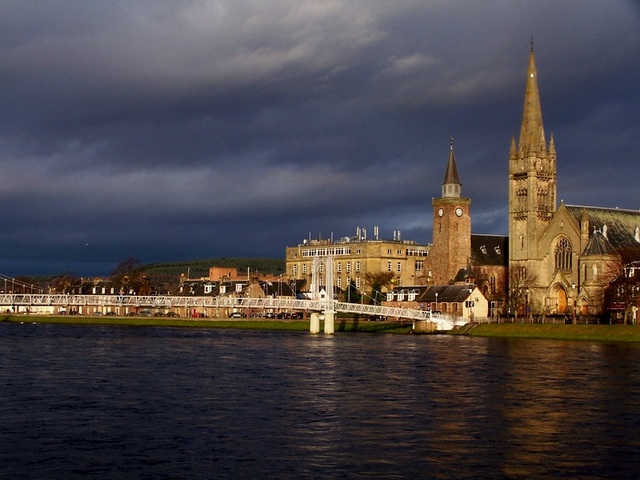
173,403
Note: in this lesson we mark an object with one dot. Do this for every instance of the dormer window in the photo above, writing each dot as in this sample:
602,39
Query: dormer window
497,249
483,249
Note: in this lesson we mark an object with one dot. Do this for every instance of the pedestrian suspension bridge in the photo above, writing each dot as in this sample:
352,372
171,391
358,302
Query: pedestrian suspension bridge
320,302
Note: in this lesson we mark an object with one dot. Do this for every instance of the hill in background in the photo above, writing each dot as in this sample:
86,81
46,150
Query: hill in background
166,276
200,268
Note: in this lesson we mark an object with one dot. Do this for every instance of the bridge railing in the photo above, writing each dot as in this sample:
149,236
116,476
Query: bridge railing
169,301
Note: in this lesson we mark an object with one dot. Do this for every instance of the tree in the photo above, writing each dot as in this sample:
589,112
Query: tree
377,281
351,294
62,283
623,293
130,277
520,281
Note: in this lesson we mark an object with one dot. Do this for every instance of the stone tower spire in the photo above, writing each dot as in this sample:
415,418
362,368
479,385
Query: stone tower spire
451,246
532,131
451,186
532,179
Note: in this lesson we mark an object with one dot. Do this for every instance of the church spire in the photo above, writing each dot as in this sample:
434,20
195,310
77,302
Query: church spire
451,186
532,137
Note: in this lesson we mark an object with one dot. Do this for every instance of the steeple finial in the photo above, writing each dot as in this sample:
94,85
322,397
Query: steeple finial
451,143
532,43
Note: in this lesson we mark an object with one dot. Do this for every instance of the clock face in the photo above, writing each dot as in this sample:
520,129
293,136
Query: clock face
440,212
459,211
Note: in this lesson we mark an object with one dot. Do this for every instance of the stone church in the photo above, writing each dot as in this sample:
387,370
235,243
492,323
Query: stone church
561,259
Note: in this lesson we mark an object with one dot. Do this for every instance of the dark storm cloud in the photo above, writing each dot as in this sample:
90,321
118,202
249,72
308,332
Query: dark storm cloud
186,129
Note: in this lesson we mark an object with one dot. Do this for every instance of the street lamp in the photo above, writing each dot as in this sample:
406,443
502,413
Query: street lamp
573,307
436,301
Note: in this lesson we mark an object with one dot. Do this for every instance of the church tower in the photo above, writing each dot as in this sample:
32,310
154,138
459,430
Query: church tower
451,227
532,180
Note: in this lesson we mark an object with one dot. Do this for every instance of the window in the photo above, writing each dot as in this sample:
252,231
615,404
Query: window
419,265
563,255
357,282
388,266
492,282
357,266
348,267
399,266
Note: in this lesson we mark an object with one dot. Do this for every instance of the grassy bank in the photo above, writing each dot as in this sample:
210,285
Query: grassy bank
602,333
341,325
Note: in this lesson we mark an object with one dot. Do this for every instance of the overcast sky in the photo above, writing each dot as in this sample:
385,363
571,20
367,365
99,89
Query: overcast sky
177,130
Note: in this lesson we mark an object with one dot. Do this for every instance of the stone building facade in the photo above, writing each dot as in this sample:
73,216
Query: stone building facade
356,256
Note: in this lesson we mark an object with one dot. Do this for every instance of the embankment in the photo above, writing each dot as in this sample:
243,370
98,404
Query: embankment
601,333
341,325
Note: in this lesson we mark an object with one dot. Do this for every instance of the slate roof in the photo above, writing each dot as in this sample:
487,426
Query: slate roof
446,293
599,245
620,227
490,250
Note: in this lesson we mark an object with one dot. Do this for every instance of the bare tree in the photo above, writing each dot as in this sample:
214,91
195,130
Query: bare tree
130,277
623,292
520,282
62,283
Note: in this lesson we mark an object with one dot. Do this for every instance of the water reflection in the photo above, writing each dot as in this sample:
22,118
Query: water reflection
179,403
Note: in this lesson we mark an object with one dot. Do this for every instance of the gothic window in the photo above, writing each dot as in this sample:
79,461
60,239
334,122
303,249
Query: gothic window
492,282
542,199
563,255
521,196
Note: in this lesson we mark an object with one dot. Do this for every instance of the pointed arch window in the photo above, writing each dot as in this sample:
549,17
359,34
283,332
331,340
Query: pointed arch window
563,257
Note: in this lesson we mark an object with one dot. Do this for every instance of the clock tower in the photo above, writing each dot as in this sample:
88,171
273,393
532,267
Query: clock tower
451,227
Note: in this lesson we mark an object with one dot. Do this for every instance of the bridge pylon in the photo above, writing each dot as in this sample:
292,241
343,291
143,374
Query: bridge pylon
323,265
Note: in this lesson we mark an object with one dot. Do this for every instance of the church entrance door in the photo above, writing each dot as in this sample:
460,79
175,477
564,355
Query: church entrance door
561,301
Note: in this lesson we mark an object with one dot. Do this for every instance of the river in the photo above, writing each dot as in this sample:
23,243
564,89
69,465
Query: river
180,403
